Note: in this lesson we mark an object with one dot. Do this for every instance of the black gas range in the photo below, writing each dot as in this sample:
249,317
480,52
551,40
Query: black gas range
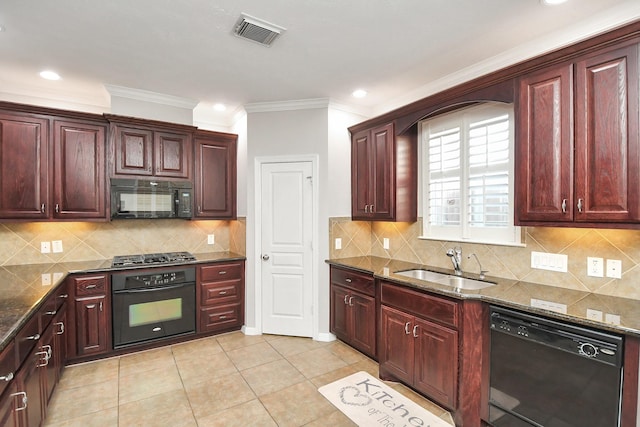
152,259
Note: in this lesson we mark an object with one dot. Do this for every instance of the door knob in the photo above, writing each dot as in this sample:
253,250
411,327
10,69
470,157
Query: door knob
265,257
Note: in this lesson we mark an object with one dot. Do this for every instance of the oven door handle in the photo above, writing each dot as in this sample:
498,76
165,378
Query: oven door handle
158,288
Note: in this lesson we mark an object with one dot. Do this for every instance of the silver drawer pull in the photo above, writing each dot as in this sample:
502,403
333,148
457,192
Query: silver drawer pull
24,400
51,313
223,317
406,328
348,280
415,331
7,377
61,331
223,292
345,299
91,286
351,301
33,337
222,272
64,296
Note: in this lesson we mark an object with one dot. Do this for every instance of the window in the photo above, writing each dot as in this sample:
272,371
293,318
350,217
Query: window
467,176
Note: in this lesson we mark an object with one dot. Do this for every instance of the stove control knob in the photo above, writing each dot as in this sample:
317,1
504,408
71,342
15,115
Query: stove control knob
588,349
522,330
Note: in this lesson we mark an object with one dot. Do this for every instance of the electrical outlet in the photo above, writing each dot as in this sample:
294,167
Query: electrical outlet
594,315
45,247
595,267
46,279
211,239
614,268
385,243
57,246
338,243
613,319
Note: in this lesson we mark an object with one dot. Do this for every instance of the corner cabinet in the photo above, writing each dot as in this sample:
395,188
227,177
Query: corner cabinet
383,175
353,309
578,142
34,149
148,148
215,175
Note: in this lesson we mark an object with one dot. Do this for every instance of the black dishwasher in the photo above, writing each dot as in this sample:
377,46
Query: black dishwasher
552,374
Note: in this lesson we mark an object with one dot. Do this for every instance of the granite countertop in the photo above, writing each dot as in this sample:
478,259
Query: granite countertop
23,288
623,313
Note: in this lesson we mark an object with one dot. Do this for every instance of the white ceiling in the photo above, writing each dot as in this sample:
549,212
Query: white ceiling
398,50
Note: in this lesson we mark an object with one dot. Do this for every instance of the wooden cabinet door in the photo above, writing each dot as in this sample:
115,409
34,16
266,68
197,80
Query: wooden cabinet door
397,344
24,167
79,169
339,312
363,323
91,325
133,151
172,153
607,155
436,361
29,382
361,191
10,402
382,173
544,146
215,176
47,367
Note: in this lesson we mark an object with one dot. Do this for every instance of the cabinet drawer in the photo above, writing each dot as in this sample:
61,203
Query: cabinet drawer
228,291
26,338
90,285
350,279
8,366
220,317
217,272
420,304
51,306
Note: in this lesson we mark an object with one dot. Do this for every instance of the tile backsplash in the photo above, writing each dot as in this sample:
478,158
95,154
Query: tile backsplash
366,238
83,241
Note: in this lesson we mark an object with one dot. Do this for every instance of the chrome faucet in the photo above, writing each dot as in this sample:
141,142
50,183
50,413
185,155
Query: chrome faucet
456,258
480,265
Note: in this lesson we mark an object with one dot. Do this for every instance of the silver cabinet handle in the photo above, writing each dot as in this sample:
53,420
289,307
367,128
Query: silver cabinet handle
91,286
222,293
366,208
57,208
564,205
7,377
350,301
371,209
406,328
63,296
348,280
24,400
47,348
223,317
265,257
44,359
61,331
100,305
51,313
580,205
224,272
345,299
42,208
415,331
33,337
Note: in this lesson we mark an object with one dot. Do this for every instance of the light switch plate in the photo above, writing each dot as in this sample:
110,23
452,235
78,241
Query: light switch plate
385,243
614,268
57,246
45,247
595,267
211,239
338,243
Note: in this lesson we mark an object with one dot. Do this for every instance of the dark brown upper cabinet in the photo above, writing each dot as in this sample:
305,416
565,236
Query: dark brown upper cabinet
577,141
215,175
51,168
383,175
147,148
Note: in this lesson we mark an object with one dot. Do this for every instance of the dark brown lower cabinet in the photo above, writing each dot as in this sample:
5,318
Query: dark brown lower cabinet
421,353
10,402
91,326
220,296
29,382
353,319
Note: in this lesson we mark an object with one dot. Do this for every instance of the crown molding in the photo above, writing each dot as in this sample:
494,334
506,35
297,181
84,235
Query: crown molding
301,104
148,96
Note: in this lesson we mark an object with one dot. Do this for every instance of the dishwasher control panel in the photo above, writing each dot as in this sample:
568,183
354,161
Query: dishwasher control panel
585,342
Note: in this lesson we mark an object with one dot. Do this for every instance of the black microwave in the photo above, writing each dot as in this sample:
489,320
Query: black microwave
135,198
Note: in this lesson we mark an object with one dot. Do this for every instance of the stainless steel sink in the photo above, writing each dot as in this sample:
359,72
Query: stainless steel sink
446,279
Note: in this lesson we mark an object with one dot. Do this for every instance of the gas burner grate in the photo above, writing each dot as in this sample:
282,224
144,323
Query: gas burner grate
152,259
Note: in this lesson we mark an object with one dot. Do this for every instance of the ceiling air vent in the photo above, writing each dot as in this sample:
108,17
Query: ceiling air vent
257,30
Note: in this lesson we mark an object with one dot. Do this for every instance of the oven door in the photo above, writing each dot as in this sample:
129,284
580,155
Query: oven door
149,314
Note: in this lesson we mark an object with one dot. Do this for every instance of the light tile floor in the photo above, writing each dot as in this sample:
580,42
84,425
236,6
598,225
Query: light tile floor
227,380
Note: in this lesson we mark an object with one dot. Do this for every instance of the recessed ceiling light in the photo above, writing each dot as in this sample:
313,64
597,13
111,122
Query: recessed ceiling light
552,2
359,93
49,75
219,107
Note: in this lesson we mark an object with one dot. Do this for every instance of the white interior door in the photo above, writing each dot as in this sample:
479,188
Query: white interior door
287,248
